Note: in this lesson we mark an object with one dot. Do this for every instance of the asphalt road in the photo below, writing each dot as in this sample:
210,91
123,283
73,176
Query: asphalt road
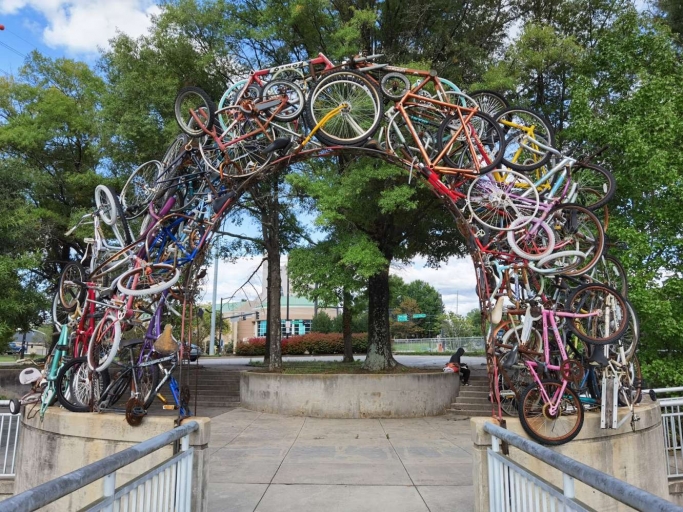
436,361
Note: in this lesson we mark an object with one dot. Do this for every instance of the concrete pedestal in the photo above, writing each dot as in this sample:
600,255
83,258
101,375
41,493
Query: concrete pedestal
66,441
636,457
407,395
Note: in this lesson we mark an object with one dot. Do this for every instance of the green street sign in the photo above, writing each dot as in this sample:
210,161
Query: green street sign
420,315
402,318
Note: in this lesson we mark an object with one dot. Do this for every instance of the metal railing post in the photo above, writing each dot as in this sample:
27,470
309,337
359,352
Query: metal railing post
568,486
109,490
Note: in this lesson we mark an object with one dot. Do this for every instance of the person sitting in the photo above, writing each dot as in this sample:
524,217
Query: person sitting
464,369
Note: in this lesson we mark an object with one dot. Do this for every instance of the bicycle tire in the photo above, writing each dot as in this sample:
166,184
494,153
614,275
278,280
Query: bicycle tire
297,102
595,179
577,228
611,272
480,141
528,246
633,384
589,297
140,189
490,102
72,395
202,103
71,295
104,200
336,88
516,156
162,281
530,413
399,139
147,393
497,199
394,85
60,316
103,346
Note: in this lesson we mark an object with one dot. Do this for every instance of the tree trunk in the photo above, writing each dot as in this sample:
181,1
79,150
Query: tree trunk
346,327
270,226
274,316
379,340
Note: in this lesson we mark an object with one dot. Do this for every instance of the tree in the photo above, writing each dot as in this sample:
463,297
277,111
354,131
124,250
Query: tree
454,326
334,271
672,12
371,201
321,323
428,300
410,328
628,96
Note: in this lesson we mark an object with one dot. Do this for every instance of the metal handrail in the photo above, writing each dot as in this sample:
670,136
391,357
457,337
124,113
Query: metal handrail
607,484
48,492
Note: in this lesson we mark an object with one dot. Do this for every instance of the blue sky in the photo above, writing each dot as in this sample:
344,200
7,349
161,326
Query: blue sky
73,28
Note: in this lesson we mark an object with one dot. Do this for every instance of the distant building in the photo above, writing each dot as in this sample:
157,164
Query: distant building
247,318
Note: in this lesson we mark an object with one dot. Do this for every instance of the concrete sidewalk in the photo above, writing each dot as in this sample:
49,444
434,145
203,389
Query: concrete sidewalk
268,463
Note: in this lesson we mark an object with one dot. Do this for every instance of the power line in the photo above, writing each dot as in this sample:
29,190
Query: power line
17,35
12,49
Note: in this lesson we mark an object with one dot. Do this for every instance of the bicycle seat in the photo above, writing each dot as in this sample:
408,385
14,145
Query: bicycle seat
220,201
131,343
277,145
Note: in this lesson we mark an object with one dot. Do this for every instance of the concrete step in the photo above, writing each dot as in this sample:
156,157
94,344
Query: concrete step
468,414
471,407
461,401
474,393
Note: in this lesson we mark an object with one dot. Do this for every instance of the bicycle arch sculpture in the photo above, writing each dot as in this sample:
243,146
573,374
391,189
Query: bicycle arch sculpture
553,303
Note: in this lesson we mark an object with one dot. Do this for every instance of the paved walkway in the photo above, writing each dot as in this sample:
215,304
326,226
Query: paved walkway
270,463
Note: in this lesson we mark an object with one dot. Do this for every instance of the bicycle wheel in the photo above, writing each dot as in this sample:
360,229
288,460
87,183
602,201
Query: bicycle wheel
395,85
71,290
476,145
611,321
631,336
147,380
360,116
425,120
75,385
595,185
532,242
194,100
151,279
524,128
290,93
60,316
631,384
577,229
105,202
104,343
610,271
140,189
537,420
490,102
111,212
499,198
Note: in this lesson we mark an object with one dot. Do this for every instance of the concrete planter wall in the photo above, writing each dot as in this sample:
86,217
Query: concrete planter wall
66,441
407,395
634,457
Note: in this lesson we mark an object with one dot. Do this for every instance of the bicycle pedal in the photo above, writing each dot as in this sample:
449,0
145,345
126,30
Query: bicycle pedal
169,407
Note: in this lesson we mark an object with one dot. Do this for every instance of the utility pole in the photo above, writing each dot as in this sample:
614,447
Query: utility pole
220,327
212,341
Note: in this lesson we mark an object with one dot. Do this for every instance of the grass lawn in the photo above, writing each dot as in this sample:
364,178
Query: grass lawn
7,359
332,367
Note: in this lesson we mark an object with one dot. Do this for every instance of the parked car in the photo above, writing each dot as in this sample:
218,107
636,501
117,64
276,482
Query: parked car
195,352
13,347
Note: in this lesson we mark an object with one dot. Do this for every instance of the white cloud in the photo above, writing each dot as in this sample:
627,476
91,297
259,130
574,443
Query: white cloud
81,26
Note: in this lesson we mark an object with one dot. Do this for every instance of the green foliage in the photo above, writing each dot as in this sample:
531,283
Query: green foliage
663,372
628,96
453,325
672,12
321,323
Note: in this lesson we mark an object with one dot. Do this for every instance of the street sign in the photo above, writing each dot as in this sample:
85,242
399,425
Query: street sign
402,318
420,315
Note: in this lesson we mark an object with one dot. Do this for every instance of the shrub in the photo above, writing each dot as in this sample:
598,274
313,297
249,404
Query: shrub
321,322
312,343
